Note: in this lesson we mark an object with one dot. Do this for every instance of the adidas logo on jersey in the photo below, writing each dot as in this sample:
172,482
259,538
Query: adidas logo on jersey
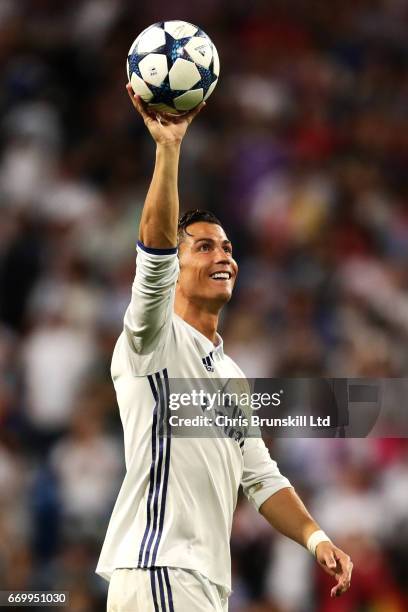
208,362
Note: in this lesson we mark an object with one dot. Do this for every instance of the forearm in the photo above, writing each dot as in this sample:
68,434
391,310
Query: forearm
158,226
286,512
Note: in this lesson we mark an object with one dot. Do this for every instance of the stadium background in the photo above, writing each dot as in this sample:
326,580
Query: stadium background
302,152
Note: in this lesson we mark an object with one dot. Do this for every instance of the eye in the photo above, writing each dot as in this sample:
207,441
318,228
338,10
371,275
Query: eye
228,249
205,246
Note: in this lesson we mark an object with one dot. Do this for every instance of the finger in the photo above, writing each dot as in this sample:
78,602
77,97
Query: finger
348,571
330,561
194,112
139,104
341,587
344,576
134,99
345,565
335,592
143,108
170,117
179,117
182,117
130,93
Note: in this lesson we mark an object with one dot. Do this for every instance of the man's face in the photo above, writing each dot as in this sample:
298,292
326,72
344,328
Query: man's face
207,268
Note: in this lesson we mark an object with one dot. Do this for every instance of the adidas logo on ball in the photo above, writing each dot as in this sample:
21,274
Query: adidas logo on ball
202,49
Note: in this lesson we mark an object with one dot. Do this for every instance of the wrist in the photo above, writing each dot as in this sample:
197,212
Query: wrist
172,146
316,538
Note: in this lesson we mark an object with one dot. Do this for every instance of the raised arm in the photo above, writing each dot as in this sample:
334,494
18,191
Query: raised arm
148,318
158,226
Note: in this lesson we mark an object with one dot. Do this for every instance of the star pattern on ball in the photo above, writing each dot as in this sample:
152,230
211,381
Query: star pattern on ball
164,94
175,48
207,78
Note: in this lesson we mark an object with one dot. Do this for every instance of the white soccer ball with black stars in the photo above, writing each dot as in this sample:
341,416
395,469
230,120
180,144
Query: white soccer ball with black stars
173,66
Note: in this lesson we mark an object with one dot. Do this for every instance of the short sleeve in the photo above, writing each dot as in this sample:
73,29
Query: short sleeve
261,477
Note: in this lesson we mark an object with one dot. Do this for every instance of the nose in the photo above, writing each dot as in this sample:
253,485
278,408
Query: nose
222,257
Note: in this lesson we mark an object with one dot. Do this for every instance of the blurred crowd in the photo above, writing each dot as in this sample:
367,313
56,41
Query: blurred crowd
302,152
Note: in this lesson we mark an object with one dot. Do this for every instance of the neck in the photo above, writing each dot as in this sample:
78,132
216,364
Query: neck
205,321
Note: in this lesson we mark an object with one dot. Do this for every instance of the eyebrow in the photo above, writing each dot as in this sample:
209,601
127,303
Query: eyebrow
226,241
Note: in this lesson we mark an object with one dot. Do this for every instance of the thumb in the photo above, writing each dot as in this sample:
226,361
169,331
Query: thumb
331,561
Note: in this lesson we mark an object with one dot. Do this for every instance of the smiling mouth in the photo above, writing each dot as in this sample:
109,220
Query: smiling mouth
221,276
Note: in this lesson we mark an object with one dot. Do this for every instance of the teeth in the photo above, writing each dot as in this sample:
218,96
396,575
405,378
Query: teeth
223,275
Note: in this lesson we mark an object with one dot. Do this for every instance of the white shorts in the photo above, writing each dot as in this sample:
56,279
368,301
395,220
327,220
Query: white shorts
164,589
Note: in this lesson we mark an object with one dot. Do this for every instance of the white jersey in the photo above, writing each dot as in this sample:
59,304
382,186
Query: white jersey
176,503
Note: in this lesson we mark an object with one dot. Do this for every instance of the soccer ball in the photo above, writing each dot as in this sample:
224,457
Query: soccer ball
173,66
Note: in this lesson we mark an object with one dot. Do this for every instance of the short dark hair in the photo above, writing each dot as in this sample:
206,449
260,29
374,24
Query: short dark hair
194,216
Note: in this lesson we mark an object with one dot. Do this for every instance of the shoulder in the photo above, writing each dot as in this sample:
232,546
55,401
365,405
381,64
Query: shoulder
150,359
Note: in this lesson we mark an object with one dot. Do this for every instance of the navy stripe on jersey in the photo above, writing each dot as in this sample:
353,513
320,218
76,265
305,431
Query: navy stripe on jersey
158,475
169,593
161,589
167,441
162,596
159,471
154,593
152,472
153,251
